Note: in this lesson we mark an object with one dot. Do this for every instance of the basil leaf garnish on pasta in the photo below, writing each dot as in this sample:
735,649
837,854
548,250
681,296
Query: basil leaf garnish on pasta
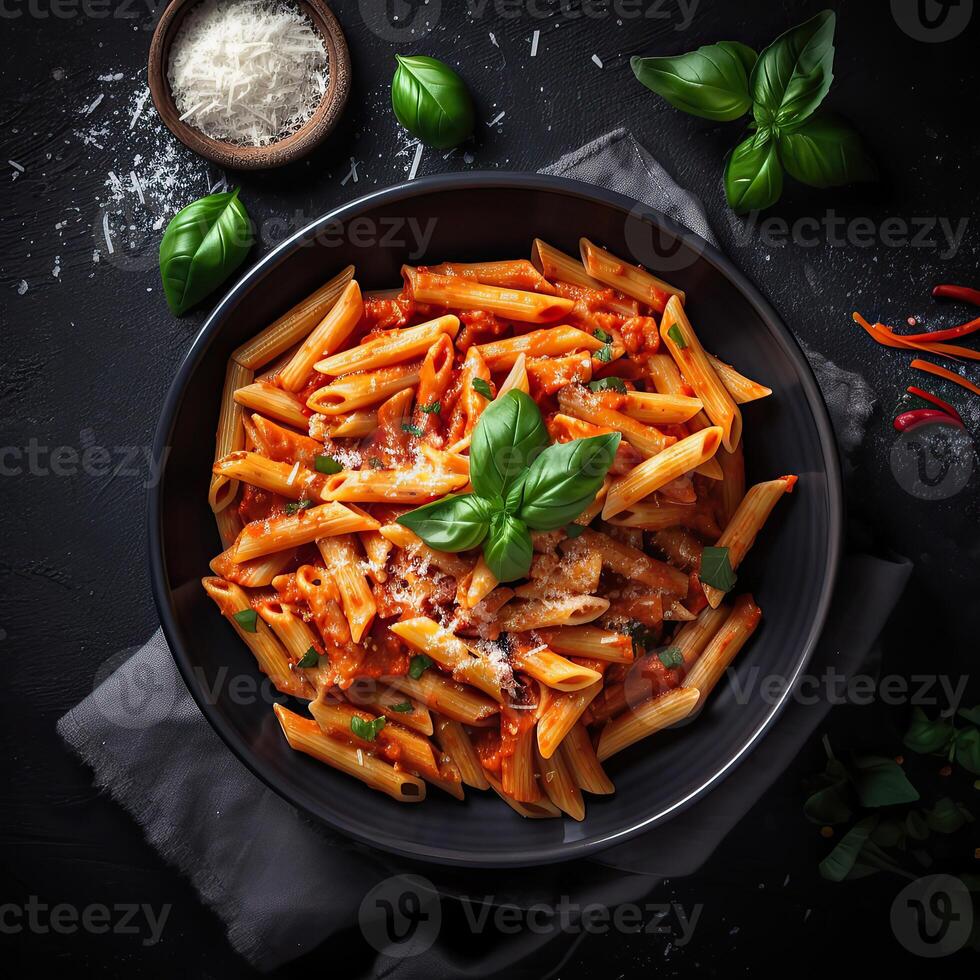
716,568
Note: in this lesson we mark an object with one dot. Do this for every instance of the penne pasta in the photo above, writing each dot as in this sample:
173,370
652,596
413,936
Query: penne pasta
723,647
645,719
501,355
266,399
631,280
231,435
358,391
303,527
392,486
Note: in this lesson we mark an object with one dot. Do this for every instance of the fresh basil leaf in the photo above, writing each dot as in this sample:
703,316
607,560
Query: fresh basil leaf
881,782
297,505
203,244
367,730
482,387
916,825
947,817
794,73
327,464
574,530
970,714
411,429
507,549
753,174
431,101
841,860
967,749
404,707
565,479
455,523
825,152
418,665
671,658
925,736
716,568
601,334
509,434
829,805
309,659
248,619
603,354
674,332
432,409
711,82
609,384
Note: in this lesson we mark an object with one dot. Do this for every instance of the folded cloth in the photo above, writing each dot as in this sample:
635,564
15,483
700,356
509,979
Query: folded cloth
283,884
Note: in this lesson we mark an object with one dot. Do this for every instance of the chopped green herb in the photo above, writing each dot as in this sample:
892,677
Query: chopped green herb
603,354
641,635
295,505
368,730
433,409
574,530
309,659
671,658
376,463
674,332
716,568
402,706
601,334
418,665
481,386
327,464
413,429
609,384
248,619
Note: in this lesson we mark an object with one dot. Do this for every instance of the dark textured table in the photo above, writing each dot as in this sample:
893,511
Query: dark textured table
89,349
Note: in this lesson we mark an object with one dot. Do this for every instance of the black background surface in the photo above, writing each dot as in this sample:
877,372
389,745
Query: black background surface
89,349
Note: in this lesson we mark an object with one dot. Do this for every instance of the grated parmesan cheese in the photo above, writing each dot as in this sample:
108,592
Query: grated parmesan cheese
248,72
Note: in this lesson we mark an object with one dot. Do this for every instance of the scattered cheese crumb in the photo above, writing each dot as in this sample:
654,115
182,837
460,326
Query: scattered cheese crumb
597,60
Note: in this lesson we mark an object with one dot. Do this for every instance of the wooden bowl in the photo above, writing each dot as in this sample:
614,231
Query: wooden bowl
292,147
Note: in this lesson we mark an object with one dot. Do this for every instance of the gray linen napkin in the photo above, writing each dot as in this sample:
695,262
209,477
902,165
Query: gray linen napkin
283,885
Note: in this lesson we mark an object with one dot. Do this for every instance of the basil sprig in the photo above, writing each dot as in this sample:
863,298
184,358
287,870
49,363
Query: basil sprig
520,484
783,87
431,101
203,244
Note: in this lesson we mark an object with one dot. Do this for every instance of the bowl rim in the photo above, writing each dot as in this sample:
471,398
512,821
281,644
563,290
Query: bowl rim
560,851
290,148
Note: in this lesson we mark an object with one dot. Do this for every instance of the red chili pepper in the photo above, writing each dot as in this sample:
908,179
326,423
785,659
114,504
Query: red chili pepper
962,293
951,333
936,400
908,420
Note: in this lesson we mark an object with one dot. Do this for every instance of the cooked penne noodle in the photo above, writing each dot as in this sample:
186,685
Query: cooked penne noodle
266,399
352,426
404,538
325,338
475,585
559,783
517,769
591,642
516,378
304,735
465,294
542,809
392,347
656,409
631,280
289,480
231,435
552,670
691,639
631,563
344,563
303,527
448,697
229,525
391,486
733,474
456,743
588,406
583,763
267,650
509,273
533,614
741,389
250,574
645,719
293,326
501,355
563,711
697,369
361,390
740,532
723,647
297,638
654,514
654,473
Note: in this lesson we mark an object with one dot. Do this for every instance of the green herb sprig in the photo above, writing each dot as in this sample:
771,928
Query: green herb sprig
784,87
520,484
431,101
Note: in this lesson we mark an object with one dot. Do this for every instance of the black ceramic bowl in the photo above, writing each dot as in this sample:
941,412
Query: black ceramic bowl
791,570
